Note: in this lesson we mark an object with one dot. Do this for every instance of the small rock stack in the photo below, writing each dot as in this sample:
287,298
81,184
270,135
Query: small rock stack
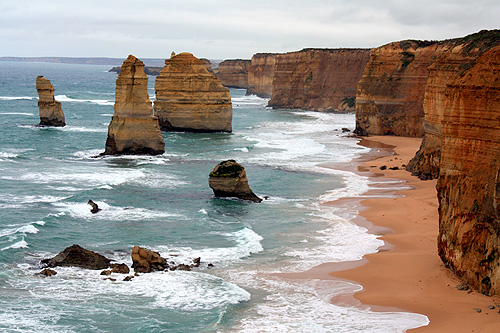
51,113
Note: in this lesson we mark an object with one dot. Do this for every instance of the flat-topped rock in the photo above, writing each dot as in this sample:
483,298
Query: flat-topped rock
77,256
51,113
190,98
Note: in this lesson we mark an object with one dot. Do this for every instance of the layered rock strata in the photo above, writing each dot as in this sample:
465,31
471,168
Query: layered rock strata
133,128
229,179
51,113
459,56
318,79
469,176
233,73
261,75
190,98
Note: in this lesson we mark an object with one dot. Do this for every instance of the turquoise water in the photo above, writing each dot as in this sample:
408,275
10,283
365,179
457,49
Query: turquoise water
47,175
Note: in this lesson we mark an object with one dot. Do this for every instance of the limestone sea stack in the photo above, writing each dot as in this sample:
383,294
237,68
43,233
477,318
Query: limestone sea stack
229,179
51,113
133,128
190,98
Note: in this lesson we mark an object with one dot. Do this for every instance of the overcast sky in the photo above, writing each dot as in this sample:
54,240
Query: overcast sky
223,29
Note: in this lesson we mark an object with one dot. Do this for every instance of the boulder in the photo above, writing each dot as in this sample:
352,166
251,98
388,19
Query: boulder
77,256
190,98
95,207
229,179
48,272
119,268
51,113
133,128
146,261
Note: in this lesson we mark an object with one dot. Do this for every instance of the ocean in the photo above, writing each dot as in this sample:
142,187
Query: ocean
164,203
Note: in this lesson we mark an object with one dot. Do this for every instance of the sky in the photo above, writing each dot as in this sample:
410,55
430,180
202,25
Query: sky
223,29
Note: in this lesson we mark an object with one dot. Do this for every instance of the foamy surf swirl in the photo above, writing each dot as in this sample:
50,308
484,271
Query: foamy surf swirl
64,98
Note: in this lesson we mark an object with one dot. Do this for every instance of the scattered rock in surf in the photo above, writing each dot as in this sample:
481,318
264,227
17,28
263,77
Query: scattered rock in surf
344,130
491,307
210,265
196,262
478,310
95,207
128,278
119,268
383,167
106,272
229,179
146,261
77,256
48,272
394,168
463,286
181,267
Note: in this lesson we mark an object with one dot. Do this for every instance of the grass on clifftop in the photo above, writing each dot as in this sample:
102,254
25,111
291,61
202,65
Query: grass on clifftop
229,168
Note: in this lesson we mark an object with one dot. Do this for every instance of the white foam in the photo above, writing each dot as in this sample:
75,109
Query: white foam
13,98
17,113
250,100
64,98
23,229
19,245
203,211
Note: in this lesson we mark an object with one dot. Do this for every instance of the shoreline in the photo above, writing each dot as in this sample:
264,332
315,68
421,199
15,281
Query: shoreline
409,275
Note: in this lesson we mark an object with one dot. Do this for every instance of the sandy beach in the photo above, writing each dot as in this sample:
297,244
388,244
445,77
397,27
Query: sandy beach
409,275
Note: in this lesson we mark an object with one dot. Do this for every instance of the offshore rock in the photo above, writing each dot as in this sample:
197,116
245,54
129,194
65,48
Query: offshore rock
77,256
147,261
261,75
133,129
233,73
469,177
459,56
190,98
51,113
318,79
229,179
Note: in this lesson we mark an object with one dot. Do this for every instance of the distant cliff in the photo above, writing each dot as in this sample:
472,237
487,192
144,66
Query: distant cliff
233,73
81,61
318,79
469,172
261,75
153,71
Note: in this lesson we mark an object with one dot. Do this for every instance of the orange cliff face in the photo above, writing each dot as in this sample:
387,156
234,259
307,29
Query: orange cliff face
459,56
233,73
390,94
318,79
261,75
469,180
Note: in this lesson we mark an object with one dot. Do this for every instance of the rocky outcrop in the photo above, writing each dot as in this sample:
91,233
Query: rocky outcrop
133,129
229,179
51,113
459,56
146,261
469,174
233,73
190,98
318,79
77,256
261,75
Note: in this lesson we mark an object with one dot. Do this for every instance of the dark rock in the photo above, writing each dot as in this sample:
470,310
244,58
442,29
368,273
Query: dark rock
128,278
491,307
48,272
146,261
344,130
463,286
196,262
478,310
210,265
394,168
229,179
106,272
183,267
95,208
77,256
383,167
111,279
119,268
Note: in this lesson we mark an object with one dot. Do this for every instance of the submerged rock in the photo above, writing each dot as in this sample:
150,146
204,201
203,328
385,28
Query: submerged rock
133,128
229,179
51,113
77,256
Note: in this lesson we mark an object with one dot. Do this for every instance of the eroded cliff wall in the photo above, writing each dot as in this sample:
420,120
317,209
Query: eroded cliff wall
261,75
469,180
233,73
318,79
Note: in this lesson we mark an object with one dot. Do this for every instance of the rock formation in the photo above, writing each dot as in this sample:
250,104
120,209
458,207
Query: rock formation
190,98
469,172
95,208
234,73
51,113
77,256
261,75
460,55
146,261
133,129
229,179
318,79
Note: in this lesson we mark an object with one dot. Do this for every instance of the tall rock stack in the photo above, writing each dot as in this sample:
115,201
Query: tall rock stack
51,113
190,98
133,128
261,75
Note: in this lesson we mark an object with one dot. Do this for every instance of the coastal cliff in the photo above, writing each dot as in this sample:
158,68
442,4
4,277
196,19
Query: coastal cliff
261,75
233,73
190,98
318,79
133,129
469,177
51,113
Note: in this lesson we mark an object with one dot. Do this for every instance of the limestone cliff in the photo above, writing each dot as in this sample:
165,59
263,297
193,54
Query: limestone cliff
133,129
51,113
261,75
460,55
190,98
469,179
318,79
234,73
